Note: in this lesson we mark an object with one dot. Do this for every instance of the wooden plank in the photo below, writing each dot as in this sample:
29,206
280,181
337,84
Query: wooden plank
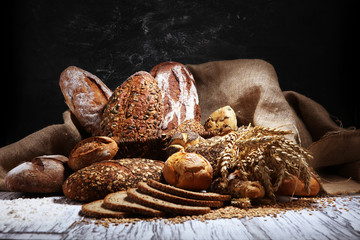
55,217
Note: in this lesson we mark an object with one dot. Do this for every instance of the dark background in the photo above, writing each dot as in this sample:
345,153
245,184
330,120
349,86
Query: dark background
311,45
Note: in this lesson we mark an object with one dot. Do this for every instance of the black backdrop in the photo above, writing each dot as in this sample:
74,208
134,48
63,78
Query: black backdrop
309,43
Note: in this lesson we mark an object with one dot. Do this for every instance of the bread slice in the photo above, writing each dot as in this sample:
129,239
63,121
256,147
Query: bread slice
165,206
188,194
96,209
146,189
121,202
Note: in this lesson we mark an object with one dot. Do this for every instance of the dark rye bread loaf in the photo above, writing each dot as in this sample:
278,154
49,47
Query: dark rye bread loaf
99,179
119,201
187,194
96,209
165,206
179,94
146,189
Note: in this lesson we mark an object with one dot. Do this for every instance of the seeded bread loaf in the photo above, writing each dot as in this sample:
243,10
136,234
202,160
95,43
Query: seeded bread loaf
179,94
99,179
133,116
90,150
86,96
134,109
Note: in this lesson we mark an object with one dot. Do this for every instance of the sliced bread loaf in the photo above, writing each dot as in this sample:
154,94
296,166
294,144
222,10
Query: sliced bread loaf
165,206
96,209
146,189
119,201
187,194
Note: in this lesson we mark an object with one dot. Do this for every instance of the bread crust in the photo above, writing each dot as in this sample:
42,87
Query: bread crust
134,109
90,150
294,186
189,171
99,179
85,95
43,174
179,94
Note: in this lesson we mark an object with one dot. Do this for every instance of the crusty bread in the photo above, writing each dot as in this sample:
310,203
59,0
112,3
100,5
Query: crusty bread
179,94
96,209
294,186
189,171
43,174
119,201
146,189
165,206
186,193
99,179
134,109
90,150
86,96
221,121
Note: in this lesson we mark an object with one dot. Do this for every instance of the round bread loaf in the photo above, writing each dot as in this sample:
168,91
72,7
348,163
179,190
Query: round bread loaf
179,94
188,171
99,179
86,96
134,110
90,150
43,174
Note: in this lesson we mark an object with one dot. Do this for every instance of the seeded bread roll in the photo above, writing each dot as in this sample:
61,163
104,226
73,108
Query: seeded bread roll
188,171
90,150
179,94
86,96
43,174
99,179
221,121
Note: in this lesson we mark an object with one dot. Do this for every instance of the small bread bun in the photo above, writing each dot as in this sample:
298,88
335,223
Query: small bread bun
221,121
189,171
294,186
90,150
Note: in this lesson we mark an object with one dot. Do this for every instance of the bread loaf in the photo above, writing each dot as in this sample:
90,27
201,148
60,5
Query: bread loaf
179,94
90,150
294,186
43,174
86,96
134,109
99,179
189,171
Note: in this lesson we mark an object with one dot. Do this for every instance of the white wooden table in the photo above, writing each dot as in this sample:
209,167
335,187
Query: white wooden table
55,217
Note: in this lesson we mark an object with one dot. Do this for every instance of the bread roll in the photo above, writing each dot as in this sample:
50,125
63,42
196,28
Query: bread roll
188,171
99,179
294,186
90,150
86,96
221,121
134,109
179,94
43,174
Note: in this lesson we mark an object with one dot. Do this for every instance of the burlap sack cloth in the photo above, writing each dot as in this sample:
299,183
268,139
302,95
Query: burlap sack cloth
251,88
